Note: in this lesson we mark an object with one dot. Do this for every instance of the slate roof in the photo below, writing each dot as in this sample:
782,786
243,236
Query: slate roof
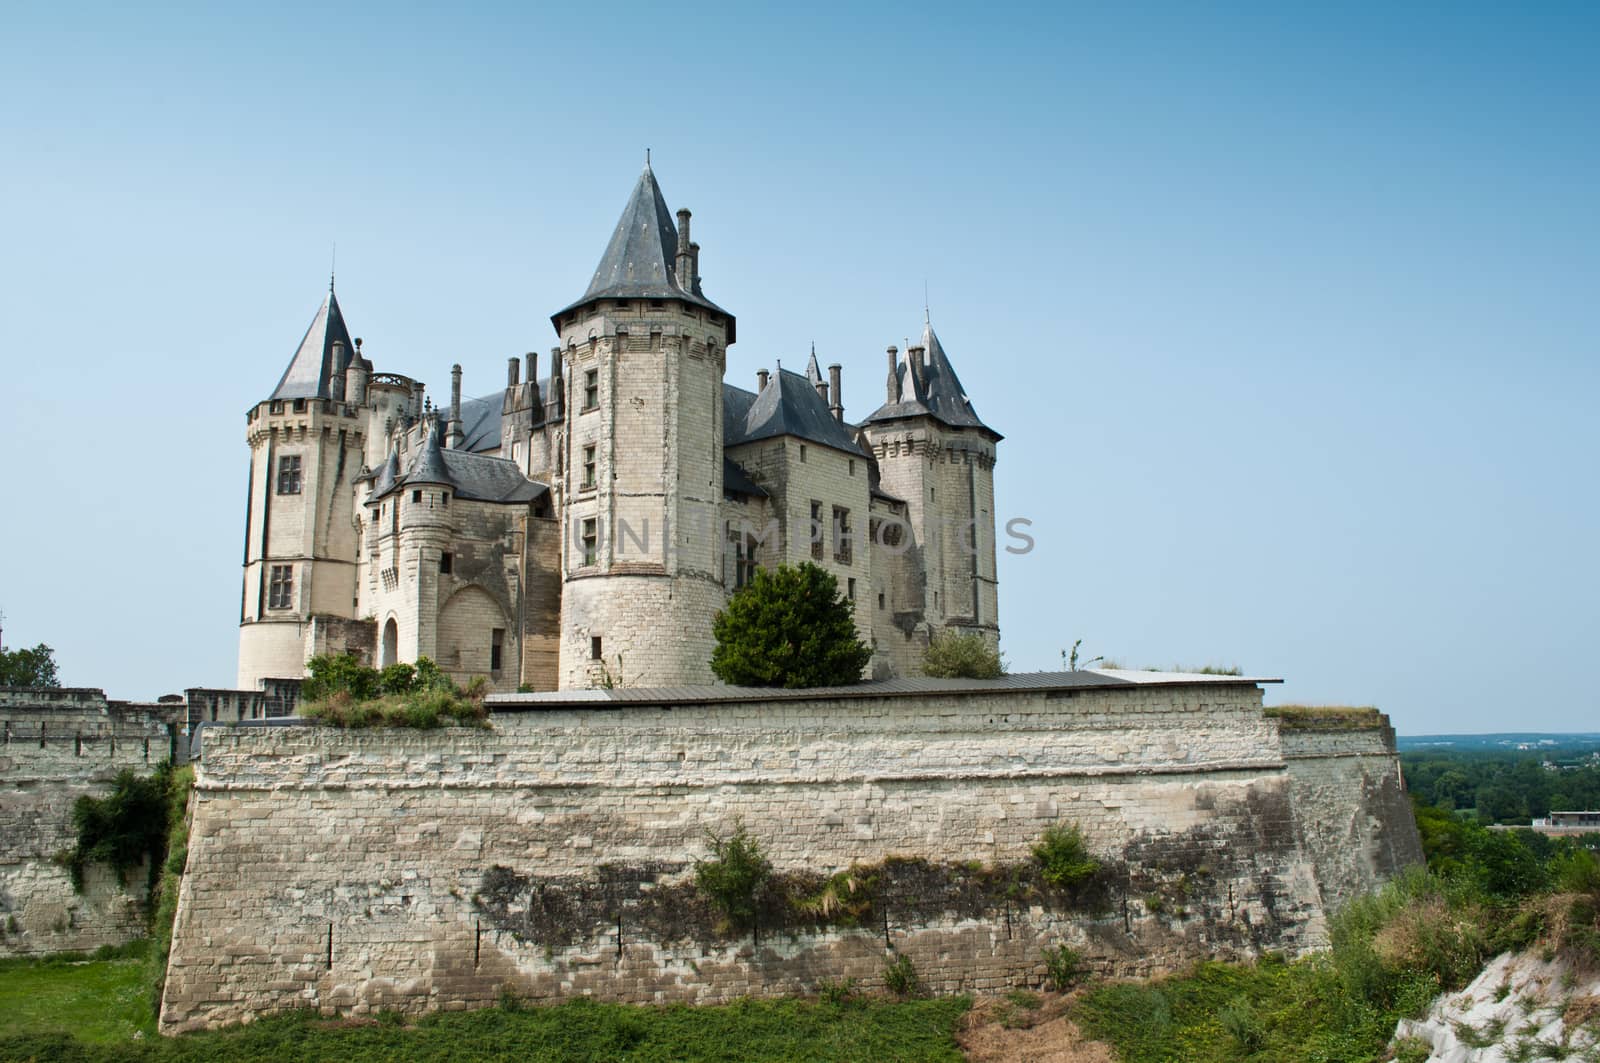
1087,679
640,262
935,392
789,405
736,481
476,477
480,419
311,368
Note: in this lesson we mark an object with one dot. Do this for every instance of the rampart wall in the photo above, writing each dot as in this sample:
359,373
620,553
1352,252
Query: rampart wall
553,855
55,746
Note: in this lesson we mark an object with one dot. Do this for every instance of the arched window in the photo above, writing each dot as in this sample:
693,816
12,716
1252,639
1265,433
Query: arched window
391,642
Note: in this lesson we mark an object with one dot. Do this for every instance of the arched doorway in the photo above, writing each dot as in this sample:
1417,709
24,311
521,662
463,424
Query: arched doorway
391,643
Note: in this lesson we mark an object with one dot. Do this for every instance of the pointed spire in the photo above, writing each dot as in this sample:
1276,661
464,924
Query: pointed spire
813,371
312,368
929,388
642,259
428,467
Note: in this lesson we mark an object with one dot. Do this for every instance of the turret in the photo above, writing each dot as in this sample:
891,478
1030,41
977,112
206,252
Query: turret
835,399
644,352
356,377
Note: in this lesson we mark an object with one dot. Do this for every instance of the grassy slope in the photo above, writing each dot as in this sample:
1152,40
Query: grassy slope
74,998
104,1001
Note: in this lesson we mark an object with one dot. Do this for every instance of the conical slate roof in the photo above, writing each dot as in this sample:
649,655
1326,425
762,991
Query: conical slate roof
312,367
935,392
640,262
428,466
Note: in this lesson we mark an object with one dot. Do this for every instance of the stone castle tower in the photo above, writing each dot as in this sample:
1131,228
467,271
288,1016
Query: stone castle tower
645,351
583,528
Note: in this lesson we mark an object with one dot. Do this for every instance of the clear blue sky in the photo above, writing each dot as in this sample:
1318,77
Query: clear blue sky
1288,312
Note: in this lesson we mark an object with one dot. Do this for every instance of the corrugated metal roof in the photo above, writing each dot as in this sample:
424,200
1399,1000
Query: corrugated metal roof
1086,679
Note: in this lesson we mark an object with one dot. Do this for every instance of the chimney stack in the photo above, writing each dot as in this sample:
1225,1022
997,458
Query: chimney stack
557,399
836,407
894,375
685,260
761,381
455,437
822,390
694,267
918,369
336,378
513,371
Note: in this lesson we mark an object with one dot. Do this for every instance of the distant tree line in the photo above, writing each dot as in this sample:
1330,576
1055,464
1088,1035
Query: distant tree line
1511,788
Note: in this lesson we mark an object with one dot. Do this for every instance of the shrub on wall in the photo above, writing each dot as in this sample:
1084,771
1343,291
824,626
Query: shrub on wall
734,876
346,693
788,627
953,655
1063,859
125,828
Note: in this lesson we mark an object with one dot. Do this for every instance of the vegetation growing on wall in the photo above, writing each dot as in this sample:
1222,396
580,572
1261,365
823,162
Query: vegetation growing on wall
125,828
342,691
953,655
788,627
164,900
735,877
1393,953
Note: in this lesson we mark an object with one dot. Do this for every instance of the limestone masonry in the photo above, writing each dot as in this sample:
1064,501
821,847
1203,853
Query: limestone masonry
582,528
551,855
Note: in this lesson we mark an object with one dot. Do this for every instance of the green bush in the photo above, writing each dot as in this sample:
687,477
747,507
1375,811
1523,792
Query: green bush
788,628
900,975
164,902
953,655
1064,859
1063,966
346,693
734,876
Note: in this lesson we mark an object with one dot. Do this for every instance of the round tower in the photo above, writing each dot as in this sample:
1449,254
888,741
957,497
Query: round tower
306,448
643,354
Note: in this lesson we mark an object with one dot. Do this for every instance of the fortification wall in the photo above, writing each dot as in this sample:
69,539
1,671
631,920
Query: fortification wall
554,854
58,745
1355,817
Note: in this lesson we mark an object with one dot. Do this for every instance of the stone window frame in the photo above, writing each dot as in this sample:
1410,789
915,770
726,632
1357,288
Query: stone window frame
497,647
280,587
843,536
591,390
589,537
289,474
815,531
590,463
447,563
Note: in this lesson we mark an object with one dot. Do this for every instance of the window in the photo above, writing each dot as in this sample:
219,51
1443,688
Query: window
591,540
299,405
842,535
622,304
816,530
416,496
280,587
497,642
930,494
744,556
289,474
850,585
591,389
657,304
447,562
802,452
852,466
880,599
588,466
595,653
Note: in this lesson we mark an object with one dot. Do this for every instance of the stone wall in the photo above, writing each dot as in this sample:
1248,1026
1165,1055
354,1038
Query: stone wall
58,745
553,855
1348,791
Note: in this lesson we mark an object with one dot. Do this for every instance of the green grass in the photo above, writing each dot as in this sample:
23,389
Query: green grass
1326,717
93,1010
104,1001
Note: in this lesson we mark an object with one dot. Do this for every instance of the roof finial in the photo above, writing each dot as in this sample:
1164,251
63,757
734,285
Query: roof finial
925,319
647,158
333,265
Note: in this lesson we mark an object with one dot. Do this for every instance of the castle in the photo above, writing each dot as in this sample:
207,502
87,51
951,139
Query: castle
582,528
